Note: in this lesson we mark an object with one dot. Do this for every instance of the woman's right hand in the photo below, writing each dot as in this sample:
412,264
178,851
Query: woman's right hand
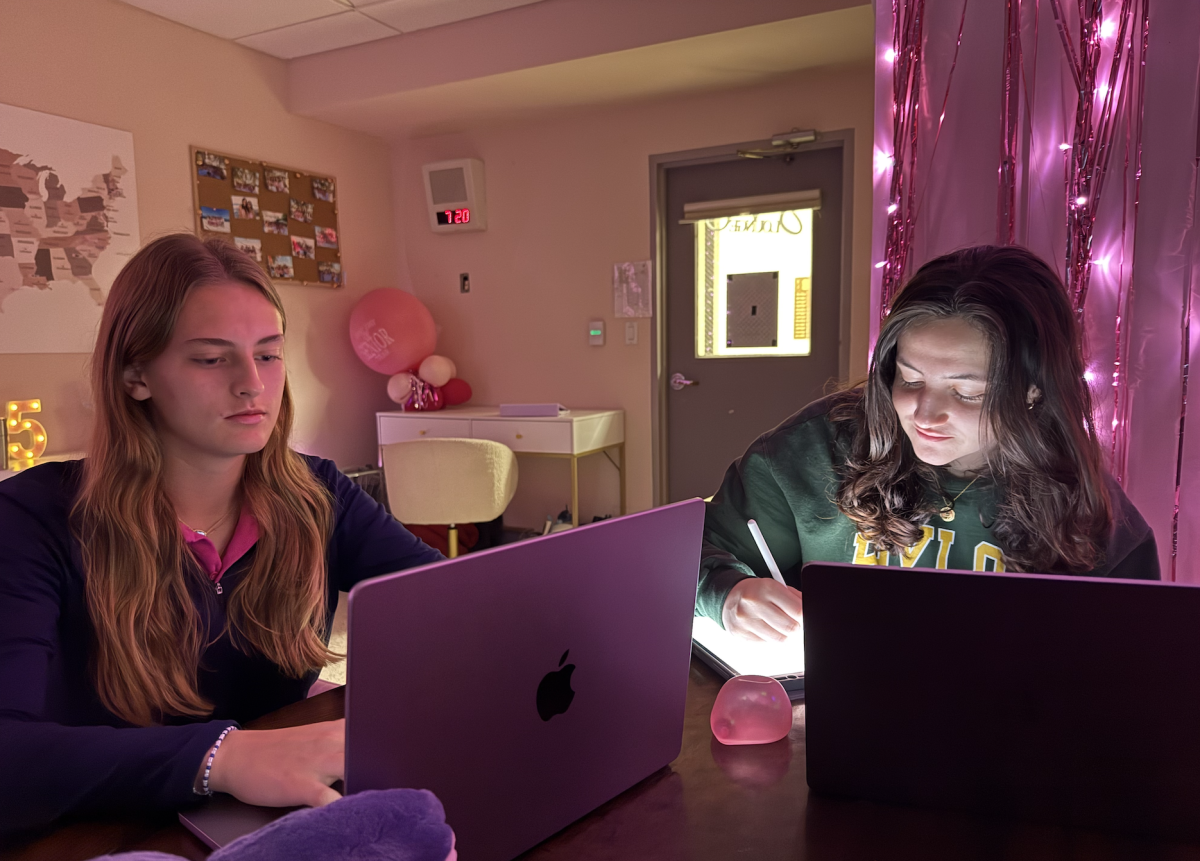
281,767
759,608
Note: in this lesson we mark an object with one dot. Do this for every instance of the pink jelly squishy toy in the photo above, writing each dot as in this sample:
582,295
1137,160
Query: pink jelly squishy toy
751,710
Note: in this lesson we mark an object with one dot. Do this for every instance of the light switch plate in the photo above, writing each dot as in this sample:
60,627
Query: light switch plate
596,333
631,332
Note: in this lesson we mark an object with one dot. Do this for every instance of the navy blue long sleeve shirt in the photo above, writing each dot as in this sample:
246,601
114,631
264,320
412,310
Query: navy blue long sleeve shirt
61,750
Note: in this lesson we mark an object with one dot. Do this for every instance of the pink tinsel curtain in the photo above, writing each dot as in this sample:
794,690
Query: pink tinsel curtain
1012,121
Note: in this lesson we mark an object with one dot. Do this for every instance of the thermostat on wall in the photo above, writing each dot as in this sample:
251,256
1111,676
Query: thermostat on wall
455,195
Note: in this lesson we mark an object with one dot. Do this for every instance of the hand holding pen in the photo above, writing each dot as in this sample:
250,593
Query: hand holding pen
761,609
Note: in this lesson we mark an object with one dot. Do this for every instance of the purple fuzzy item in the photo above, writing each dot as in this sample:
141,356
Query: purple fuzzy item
140,856
392,824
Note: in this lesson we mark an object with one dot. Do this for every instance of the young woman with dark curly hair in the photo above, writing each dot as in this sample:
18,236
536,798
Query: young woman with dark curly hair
970,446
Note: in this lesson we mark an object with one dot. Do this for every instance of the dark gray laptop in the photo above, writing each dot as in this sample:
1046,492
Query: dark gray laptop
1065,700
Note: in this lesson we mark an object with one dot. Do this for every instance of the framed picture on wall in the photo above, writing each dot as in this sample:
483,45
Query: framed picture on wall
285,218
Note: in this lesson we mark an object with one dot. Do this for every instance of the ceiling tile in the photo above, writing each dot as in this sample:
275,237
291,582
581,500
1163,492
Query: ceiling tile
409,15
232,19
313,37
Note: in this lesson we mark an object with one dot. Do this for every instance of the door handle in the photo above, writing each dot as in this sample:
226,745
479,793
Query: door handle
679,382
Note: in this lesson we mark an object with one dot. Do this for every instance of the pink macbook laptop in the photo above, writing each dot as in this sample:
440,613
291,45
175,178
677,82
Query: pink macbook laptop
524,685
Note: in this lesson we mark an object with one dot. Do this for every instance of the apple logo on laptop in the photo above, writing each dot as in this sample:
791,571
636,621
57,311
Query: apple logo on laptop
554,694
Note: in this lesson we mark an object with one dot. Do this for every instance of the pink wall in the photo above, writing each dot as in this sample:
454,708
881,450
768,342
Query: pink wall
104,62
568,196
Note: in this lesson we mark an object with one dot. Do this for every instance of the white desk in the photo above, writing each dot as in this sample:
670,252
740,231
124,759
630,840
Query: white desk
576,434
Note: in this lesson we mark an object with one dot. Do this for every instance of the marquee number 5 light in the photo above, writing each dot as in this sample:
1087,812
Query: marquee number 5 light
18,455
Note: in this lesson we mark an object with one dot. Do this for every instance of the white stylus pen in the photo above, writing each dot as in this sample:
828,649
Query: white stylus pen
765,551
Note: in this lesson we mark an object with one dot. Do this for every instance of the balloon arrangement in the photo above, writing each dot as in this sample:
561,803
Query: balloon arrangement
393,333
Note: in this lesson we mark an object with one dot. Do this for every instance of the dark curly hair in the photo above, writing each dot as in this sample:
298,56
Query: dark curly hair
1053,510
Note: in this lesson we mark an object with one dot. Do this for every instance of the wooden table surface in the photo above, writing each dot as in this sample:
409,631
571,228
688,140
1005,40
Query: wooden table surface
713,802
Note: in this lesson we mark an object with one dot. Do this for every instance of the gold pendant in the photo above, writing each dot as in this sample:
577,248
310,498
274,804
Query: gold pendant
947,513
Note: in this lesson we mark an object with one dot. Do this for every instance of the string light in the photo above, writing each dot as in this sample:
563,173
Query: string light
900,150
1101,147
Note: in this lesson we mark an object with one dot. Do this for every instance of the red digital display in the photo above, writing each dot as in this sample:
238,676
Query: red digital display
454,216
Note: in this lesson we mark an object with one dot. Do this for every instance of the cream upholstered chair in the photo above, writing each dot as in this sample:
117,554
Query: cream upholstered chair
449,481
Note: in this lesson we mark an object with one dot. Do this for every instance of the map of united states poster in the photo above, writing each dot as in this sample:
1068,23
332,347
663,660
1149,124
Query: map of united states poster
68,223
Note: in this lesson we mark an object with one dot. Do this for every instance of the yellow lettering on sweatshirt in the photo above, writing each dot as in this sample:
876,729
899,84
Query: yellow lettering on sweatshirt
864,552
908,559
945,542
984,552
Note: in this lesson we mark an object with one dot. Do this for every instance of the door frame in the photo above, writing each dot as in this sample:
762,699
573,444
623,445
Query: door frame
659,165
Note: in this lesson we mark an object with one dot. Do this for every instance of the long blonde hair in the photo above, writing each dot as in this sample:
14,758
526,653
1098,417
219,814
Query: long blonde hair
140,577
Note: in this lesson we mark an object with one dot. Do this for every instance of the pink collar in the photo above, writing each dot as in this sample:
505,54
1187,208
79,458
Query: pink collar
245,534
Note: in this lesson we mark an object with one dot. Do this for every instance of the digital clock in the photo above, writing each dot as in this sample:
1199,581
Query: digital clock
454,216
455,198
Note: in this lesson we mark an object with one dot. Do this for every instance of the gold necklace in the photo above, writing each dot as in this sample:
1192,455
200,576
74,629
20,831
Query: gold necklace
224,517
947,512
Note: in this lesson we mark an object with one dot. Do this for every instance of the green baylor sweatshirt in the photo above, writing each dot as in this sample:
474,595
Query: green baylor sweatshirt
786,482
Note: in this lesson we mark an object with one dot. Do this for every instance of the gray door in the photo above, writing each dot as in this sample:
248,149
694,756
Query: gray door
735,398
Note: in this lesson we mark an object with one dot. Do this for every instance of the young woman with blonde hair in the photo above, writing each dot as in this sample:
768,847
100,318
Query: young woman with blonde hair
970,446
182,578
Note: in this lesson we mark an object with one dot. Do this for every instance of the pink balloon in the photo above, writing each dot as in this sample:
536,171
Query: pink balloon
423,397
456,392
391,331
437,370
400,387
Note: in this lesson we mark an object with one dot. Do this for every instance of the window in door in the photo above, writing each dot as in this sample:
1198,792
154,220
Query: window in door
754,284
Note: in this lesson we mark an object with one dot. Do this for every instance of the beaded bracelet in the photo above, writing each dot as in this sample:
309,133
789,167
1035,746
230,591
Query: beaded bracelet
212,754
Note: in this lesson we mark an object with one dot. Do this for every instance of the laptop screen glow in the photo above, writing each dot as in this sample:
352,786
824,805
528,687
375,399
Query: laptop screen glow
756,657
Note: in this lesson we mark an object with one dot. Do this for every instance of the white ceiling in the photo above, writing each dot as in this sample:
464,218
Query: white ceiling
297,28
345,64
744,57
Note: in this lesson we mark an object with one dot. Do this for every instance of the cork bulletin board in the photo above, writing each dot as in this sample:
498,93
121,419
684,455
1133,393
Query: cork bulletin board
286,219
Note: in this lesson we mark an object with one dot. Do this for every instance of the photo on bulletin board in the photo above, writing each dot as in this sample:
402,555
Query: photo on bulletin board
284,218
253,247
